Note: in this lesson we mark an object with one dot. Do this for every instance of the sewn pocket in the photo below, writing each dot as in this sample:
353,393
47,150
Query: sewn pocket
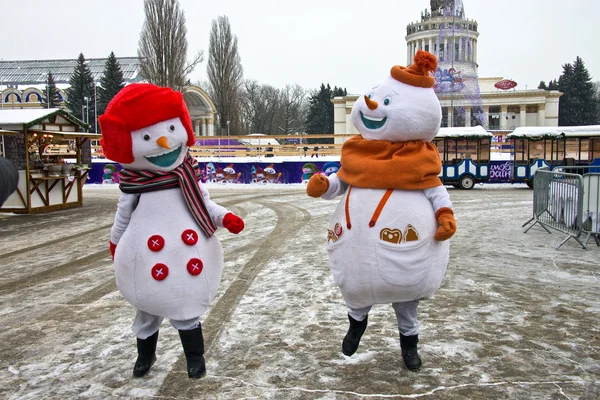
405,265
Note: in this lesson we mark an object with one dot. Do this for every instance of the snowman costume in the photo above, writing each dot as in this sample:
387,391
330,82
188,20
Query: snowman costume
387,240
167,260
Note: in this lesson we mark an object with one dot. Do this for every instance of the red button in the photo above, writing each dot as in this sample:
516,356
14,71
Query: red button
160,272
156,243
189,237
194,266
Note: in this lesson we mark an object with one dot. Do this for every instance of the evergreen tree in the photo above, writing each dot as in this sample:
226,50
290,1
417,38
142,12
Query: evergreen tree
317,120
577,105
320,109
542,85
110,83
553,85
50,99
81,88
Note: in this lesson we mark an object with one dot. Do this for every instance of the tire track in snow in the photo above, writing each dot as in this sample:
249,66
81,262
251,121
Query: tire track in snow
290,220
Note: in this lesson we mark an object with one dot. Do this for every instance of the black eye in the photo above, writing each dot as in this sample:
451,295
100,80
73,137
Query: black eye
146,137
171,128
387,101
369,96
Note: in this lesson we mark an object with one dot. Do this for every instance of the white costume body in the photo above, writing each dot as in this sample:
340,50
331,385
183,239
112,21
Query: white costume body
371,271
181,295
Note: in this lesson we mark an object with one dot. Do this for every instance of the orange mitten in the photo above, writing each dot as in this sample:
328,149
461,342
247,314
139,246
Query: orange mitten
317,185
447,228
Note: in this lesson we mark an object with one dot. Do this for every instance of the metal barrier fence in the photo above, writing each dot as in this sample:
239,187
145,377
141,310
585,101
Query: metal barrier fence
567,202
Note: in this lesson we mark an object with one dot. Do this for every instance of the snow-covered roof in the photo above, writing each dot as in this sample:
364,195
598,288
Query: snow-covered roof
15,119
470,131
31,72
20,117
550,131
259,139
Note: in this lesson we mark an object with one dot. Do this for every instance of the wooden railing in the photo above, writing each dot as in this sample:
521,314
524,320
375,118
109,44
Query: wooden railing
259,147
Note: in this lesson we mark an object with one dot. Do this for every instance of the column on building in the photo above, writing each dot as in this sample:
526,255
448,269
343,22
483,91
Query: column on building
475,51
460,49
407,52
503,117
467,115
486,114
542,114
450,116
197,127
445,49
523,115
431,45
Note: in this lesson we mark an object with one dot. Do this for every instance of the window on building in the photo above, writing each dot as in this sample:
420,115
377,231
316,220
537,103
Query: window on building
456,51
444,117
441,56
494,118
458,116
427,47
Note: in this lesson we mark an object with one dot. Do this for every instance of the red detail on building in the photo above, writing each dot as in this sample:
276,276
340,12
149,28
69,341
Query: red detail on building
156,243
160,272
189,237
505,84
194,266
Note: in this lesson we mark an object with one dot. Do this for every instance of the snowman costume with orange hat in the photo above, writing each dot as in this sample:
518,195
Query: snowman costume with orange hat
167,260
388,239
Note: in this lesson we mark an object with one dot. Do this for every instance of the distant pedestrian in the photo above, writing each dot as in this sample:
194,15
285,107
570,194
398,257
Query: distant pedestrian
305,148
9,179
316,152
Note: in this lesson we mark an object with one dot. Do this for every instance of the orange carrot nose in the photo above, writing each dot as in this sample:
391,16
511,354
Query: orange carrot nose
372,104
162,142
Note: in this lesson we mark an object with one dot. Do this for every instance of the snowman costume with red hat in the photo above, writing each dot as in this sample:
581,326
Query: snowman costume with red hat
167,260
388,238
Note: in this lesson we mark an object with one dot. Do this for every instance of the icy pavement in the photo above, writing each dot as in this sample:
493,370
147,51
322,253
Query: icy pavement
515,318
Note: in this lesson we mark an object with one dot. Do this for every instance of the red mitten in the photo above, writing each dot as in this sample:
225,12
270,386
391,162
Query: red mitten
233,223
113,248
447,228
317,185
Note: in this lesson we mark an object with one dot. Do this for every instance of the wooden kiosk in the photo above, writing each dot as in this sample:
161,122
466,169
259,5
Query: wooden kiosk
52,153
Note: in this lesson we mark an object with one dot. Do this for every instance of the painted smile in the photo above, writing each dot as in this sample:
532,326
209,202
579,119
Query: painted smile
371,122
165,159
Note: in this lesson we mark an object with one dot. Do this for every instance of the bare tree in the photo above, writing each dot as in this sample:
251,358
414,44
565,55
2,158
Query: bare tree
162,47
225,74
292,112
260,108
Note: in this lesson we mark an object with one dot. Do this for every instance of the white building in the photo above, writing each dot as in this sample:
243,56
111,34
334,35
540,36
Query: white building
22,84
466,99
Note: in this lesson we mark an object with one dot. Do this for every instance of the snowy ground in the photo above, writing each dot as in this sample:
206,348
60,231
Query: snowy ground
515,318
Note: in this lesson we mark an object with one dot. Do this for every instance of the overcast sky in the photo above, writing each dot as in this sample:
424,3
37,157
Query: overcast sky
348,43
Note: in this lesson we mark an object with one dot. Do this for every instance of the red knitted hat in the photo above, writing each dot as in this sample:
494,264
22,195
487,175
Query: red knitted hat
136,106
418,72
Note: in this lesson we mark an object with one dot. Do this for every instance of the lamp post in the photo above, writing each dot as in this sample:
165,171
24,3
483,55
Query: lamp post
228,130
87,109
95,110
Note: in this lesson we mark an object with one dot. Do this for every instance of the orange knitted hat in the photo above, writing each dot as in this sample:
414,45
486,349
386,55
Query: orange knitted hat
417,74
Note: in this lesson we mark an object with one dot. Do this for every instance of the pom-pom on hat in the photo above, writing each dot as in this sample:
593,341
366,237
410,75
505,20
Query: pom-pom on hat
417,74
136,106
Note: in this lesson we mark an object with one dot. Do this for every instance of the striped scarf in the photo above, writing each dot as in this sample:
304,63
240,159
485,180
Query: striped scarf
185,176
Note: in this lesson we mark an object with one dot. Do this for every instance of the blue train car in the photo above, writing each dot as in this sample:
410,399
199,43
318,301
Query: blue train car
465,155
536,147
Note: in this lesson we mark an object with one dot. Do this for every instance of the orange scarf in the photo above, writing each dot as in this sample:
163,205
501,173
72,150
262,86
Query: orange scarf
382,164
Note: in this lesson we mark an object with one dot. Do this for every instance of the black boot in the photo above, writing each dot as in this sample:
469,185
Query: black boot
410,355
193,347
352,338
146,355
